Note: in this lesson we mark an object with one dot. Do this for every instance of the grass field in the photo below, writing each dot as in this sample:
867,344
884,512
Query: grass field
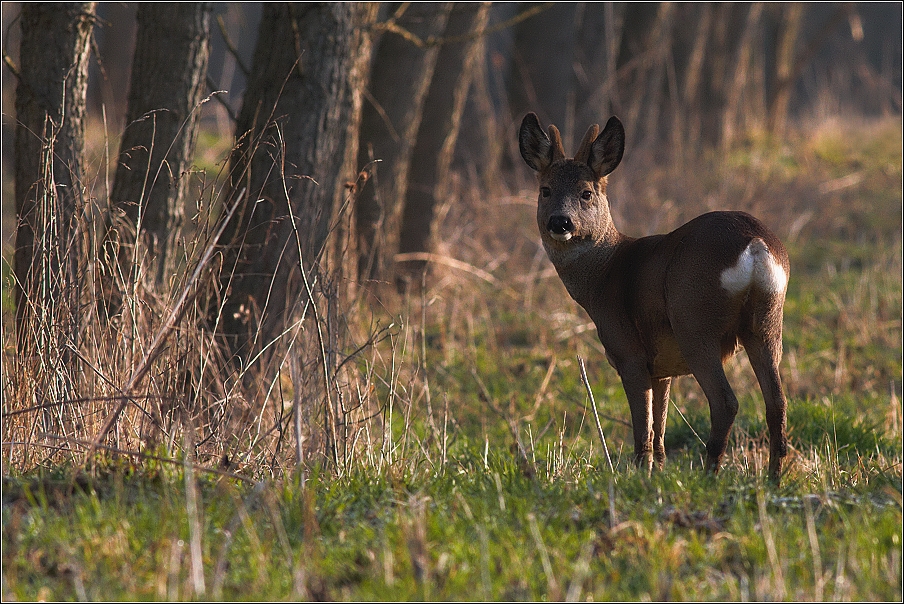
454,455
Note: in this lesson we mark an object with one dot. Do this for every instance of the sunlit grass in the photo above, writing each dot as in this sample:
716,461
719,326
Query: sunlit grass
477,528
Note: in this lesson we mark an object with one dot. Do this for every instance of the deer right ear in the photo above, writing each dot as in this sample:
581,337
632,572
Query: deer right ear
607,150
535,146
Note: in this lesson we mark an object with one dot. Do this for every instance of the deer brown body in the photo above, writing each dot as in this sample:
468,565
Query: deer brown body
666,305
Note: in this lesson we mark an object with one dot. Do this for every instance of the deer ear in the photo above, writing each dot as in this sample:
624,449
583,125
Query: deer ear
583,154
535,146
558,151
607,150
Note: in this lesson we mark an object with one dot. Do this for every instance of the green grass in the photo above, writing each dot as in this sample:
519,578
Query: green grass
477,528
473,469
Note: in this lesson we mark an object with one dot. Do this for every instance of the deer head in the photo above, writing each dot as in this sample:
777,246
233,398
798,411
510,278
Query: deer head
572,203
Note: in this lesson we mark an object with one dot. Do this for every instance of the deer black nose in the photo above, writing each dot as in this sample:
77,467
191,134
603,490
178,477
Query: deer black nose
560,225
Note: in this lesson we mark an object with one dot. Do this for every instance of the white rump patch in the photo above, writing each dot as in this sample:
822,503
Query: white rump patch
755,266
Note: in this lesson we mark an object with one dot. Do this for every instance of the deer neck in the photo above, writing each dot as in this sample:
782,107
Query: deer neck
583,264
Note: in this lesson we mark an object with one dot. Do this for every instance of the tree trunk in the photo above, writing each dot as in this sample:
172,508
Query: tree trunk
634,63
50,252
594,62
727,29
660,48
109,71
738,85
694,74
168,81
789,28
542,76
438,132
399,80
294,140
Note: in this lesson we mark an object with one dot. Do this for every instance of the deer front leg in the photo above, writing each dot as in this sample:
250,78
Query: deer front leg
639,390
660,410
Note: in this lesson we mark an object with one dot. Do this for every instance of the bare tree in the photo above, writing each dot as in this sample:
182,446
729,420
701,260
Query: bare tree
168,80
49,144
438,133
738,81
295,144
403,66
782,24
542,71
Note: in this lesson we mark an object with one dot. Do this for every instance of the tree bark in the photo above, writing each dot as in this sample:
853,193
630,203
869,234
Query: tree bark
294,138
399,79
438,133
168,81
49,143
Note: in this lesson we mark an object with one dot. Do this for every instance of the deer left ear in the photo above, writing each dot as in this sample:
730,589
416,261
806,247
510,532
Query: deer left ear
535,146
607,150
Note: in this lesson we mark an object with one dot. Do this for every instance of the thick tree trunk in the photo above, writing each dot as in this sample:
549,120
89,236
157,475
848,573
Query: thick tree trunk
294,139
438,133
50,130
399,80
169,72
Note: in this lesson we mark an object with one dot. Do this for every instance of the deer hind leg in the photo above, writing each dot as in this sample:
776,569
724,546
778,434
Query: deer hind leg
765,352
706,365
660,410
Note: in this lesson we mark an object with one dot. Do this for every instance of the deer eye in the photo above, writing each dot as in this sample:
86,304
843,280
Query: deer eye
587,195
544,192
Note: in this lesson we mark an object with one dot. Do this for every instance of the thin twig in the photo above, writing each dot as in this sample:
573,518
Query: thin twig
295,373
596,415
448,261
191,511
7,59
551,581
314,310
392,26
241,515
83,399
222,101
688,423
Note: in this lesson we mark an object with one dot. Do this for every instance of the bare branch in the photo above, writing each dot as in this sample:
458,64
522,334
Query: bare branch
231,47
392,26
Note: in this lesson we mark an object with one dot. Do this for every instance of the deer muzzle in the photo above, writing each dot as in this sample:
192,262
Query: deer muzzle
560,228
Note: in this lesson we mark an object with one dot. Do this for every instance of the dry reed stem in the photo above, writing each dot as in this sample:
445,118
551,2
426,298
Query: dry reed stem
163,333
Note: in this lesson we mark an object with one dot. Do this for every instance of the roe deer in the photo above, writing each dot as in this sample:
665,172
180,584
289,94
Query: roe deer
664,305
